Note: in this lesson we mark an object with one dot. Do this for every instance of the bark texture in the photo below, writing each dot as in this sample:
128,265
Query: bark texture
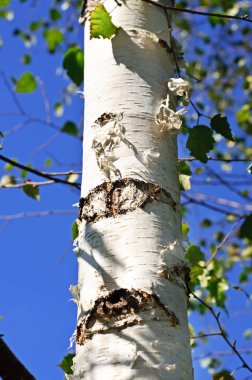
132,289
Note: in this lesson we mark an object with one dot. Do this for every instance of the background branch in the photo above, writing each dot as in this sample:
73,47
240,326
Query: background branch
10,367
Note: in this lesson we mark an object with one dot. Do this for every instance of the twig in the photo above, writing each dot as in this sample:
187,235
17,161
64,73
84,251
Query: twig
227,184
14,97
217,354
222,201
211,207
36,214
30,183
223,242
38,173
200,13
223,332
205,335
217,159
46,101
63,173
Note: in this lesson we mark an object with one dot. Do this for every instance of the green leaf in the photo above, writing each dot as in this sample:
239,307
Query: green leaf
6,14
75,230
58,109
73,63
26,59
72,177
194,254
26,83
53,38
55,14
101,24
32,191
247,333
70,128
184,175
185,229
249,169
223,375
35,25
1,140
9,166
184,168
67,363
246,228
215,20
24,172
200,142
195,272
184,181
7,180
220,125
4,3
48,162
244,118
243,278
206,223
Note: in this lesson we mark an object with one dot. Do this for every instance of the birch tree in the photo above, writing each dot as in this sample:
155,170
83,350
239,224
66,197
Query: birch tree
133,276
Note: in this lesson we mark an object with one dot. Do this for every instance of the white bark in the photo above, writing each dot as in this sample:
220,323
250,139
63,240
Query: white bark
132,288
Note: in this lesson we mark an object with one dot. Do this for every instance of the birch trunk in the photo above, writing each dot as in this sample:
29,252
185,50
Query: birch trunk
132,294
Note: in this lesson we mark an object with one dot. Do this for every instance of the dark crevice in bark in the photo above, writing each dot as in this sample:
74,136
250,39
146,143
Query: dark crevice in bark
117,306
119,197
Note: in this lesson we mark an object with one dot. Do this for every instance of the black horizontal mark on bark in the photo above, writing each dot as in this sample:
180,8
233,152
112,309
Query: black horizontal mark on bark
117,306
121,196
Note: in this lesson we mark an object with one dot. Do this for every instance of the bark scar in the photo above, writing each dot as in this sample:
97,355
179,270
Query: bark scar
119,310
119,197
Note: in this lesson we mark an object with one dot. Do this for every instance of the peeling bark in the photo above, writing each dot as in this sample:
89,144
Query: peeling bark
133,277
120,309
119,197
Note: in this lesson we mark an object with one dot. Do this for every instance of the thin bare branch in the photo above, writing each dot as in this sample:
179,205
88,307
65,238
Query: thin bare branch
222,201
37,214
38,173
223,242
46,100
218,333
216,354
202,203
223,333
217,159
13,94
227,184
30,183
200,13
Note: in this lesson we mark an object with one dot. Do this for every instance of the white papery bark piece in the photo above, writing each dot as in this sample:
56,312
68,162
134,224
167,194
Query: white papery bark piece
132,321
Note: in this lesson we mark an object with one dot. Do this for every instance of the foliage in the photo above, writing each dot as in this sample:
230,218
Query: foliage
67,363
101,24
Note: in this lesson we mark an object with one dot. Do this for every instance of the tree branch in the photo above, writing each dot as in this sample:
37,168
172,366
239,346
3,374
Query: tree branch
38,173
217,159
223,332
37,214
200,13
10,367
224,240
